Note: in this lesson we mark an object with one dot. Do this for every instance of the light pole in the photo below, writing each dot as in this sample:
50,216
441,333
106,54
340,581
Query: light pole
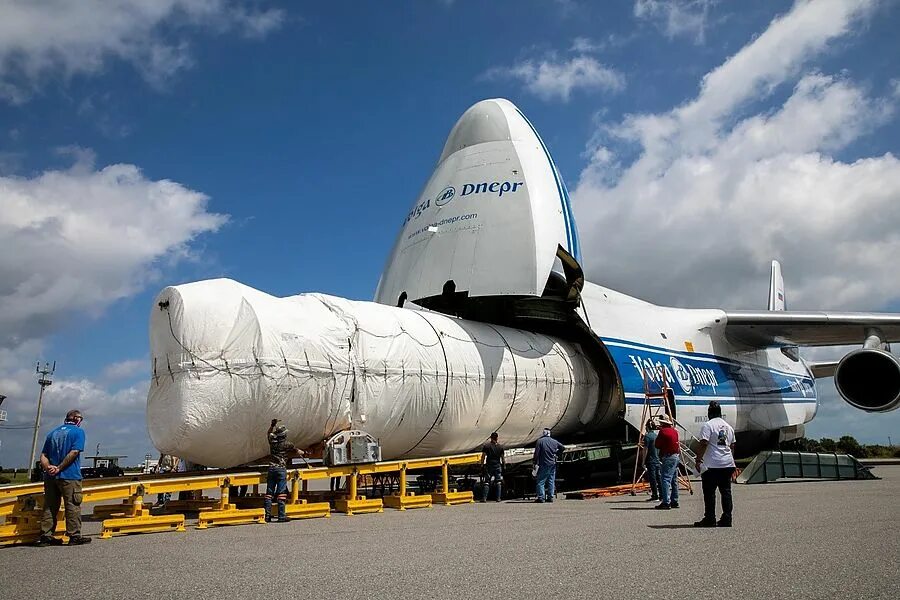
2,413
44,381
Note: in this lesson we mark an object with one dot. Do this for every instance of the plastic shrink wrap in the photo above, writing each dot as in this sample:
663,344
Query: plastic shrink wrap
227,359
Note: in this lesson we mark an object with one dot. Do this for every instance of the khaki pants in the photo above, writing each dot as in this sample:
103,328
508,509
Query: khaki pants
69,492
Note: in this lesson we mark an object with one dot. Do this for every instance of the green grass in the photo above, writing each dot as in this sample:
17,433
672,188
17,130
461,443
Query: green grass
20,477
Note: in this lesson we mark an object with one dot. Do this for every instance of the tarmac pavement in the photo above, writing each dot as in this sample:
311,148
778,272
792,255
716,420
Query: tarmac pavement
791,540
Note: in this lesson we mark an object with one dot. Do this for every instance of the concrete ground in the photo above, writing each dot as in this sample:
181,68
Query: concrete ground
790,540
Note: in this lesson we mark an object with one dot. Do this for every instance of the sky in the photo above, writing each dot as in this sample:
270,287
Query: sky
282,143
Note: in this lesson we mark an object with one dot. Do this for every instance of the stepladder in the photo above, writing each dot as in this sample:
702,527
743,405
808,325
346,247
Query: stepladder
659,405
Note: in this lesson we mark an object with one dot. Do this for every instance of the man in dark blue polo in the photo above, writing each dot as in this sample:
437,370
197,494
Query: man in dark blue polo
61,462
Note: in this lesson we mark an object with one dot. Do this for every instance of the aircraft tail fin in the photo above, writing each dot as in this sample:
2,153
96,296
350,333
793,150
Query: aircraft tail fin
776,288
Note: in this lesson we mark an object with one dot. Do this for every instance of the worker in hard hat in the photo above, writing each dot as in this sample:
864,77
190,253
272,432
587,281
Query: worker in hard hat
276,482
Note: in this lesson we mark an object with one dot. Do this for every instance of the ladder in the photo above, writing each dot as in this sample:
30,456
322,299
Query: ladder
688,459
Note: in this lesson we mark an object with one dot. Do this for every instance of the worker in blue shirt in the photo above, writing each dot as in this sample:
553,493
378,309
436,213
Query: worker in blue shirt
651,459
61,462
546,452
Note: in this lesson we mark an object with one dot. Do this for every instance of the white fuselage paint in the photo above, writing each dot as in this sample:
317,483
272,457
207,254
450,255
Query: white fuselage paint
759,389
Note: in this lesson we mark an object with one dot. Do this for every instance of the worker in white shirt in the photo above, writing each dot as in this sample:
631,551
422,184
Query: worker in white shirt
716,461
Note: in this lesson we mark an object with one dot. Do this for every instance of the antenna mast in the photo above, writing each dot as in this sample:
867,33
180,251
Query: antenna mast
45,372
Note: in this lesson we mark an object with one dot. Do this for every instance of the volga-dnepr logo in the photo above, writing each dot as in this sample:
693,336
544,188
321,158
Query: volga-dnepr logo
681,375
445,196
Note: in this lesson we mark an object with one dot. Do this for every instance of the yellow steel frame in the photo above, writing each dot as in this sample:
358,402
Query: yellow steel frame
448,497
19,506
403,500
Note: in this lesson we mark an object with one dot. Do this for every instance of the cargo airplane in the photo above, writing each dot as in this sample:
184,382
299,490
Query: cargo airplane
483,322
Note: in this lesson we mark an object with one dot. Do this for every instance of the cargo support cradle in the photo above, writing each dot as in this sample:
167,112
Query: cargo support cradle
21,508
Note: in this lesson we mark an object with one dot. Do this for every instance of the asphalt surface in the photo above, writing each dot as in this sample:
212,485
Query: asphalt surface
790,540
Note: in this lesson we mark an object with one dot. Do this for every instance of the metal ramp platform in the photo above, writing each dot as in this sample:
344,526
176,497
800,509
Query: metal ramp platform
772,465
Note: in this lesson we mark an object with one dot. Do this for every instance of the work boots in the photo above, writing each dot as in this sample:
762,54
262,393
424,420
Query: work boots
78,540
47,540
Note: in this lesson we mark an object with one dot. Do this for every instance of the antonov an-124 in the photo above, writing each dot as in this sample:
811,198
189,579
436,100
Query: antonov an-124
483,322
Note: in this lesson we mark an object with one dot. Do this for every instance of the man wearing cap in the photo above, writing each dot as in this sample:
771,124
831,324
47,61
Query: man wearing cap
276,481
715,458
61,462
546,452
669,454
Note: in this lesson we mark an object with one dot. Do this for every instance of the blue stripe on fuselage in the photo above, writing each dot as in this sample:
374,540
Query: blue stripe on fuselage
699,378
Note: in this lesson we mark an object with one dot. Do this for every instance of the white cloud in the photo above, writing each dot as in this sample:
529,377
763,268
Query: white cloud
686,207
114,418
585,45
725,192
84,238
676,17
125,369
550,78
41,40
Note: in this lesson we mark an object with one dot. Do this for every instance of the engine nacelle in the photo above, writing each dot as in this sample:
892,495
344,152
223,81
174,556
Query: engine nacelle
869,379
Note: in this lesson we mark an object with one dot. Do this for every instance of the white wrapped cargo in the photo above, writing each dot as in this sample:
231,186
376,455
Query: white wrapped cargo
228,358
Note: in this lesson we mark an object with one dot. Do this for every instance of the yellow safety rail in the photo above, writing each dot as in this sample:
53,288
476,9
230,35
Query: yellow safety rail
19,503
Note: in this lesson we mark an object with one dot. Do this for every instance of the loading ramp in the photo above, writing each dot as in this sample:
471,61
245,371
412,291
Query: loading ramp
772,465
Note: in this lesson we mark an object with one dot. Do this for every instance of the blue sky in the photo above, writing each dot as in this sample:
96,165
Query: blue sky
281,144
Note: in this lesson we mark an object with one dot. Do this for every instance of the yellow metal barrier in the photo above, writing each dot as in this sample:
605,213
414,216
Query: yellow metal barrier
447,497
23,525
354,503
20,504
403,500
122,509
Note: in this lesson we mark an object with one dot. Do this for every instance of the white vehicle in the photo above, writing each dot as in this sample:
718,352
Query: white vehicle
483,322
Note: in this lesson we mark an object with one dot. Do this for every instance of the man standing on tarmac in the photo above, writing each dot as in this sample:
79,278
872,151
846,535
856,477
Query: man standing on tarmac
166,464
669,453
716,461
276,482
651,459
61,462
492,461
546,452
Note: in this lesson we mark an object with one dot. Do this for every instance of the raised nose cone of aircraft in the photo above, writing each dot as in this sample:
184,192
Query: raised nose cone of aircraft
487,121
490,218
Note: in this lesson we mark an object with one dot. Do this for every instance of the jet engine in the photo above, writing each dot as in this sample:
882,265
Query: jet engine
869,379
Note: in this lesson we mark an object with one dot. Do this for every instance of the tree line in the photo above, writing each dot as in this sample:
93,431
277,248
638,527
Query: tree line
847,444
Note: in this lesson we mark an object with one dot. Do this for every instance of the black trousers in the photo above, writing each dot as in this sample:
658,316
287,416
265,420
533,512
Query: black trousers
717,479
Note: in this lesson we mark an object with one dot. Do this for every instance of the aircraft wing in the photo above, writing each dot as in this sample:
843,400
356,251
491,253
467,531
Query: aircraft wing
795,328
